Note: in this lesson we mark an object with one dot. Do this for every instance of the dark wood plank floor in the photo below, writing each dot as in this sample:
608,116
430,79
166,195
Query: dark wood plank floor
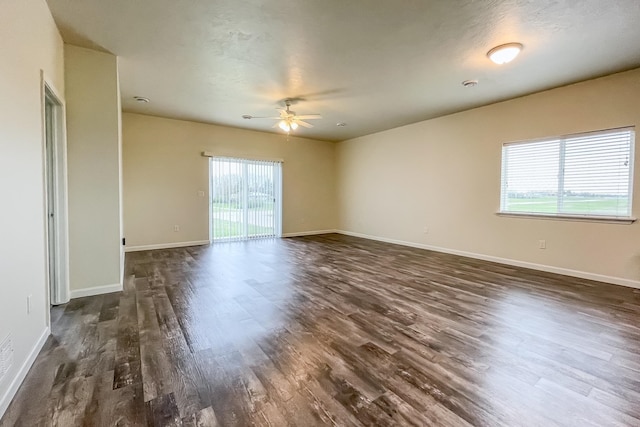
335,330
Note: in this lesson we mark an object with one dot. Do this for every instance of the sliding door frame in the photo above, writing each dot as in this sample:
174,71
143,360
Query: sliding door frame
277,188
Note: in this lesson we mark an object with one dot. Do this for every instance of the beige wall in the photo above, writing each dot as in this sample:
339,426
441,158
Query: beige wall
29,43
94,158
163,170
444,174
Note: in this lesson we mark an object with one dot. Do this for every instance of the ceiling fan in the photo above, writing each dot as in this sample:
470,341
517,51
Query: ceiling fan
288,119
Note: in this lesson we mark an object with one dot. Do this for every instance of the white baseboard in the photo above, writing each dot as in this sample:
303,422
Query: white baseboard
8,396
97,290
516,263
308,233
165,246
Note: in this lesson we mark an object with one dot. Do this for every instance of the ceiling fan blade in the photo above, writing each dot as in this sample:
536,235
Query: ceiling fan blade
309,116
304,124
276,125
265,117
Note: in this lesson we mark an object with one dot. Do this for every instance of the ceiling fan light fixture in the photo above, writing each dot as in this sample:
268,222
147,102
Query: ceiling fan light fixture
504,53
284,126
288,120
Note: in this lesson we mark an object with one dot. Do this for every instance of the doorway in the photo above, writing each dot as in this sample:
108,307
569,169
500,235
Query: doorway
55,198
245,199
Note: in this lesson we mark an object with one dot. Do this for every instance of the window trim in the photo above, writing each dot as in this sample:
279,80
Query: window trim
568,216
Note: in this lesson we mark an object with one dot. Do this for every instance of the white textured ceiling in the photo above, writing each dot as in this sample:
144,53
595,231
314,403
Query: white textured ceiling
374,64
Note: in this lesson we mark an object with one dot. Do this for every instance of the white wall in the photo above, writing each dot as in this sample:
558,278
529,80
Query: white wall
444,174
29,43
164,170
94,162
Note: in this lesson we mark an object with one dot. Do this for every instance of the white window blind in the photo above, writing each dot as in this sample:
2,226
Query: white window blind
586,175
246,198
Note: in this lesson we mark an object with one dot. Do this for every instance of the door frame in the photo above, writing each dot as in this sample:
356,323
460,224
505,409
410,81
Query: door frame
59,291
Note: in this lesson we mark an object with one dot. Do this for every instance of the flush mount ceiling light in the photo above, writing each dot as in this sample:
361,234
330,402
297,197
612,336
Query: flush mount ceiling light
141,99
504,53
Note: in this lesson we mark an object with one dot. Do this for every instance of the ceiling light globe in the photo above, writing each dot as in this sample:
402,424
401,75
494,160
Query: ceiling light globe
504,53
284,126
294,126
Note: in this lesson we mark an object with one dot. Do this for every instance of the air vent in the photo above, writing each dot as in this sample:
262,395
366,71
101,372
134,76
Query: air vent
6,356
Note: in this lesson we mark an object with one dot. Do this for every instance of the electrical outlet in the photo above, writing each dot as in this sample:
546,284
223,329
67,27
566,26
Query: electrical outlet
29,304
201,193
176,228
542,244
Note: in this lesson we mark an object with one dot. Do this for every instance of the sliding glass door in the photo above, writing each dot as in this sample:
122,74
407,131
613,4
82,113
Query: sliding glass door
245,198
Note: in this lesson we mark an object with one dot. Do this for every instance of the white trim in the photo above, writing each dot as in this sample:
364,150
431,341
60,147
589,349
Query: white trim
121,241
278,175
309,233
541,267
566,217
631,128
22,372
97,290
243,157
165,246
62,293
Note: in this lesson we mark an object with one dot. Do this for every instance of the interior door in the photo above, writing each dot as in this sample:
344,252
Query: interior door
55,211
50,188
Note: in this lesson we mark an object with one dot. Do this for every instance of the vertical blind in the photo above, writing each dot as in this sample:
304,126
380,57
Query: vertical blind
586,174
245,197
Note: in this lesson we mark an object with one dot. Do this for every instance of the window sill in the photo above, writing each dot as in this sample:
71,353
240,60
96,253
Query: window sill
582,218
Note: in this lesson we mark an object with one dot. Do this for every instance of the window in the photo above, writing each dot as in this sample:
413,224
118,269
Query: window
585,175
